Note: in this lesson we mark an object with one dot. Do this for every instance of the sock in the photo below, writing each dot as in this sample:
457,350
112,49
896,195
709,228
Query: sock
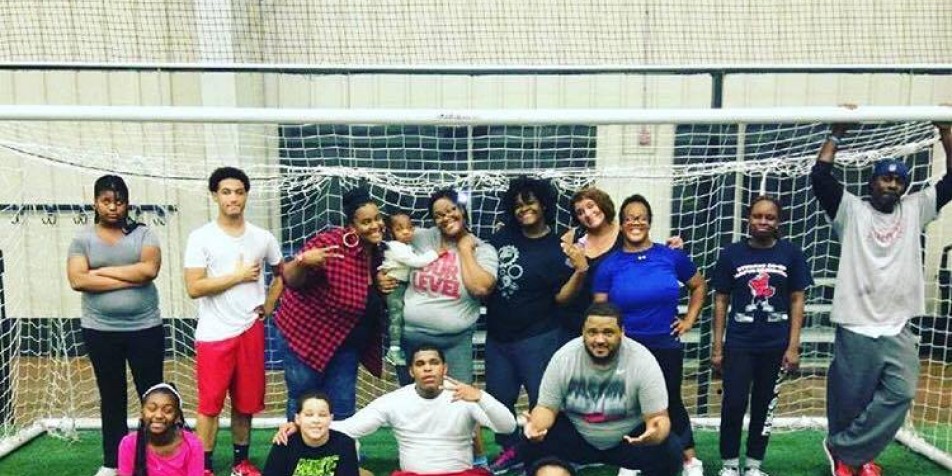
208,461
241,453
752,463
731,463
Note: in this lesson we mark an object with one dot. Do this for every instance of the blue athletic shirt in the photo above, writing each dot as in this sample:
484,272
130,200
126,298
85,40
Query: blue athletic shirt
759,281
646,286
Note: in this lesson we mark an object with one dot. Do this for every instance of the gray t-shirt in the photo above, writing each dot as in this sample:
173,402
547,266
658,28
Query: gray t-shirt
604,403
127,309
437,302
879,281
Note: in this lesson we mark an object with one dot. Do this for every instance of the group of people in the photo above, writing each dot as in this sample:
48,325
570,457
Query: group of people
586,322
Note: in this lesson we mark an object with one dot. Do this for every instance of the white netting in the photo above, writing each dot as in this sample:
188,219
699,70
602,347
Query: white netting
472,34
698,176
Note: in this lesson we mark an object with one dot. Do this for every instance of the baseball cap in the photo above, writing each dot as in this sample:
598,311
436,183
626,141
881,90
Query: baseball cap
893,167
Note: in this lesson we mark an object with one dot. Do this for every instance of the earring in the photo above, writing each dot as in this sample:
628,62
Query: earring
350,239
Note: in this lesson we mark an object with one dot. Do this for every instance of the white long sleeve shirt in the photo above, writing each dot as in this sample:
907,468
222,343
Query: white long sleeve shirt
399,259
433,435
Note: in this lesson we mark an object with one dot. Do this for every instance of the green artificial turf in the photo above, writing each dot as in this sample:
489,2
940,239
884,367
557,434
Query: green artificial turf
789,454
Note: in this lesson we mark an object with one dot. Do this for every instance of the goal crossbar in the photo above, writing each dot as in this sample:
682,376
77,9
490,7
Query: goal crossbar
244,115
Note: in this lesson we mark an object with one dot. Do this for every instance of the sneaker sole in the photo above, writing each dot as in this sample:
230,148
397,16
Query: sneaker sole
514,467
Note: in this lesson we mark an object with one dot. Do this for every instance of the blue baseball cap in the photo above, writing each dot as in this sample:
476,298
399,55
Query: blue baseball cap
891,167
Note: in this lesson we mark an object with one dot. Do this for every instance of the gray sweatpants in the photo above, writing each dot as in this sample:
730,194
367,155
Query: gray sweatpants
870,386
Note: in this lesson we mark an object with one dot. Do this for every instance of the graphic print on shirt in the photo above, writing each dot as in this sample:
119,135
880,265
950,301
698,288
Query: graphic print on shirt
509,270
596,400
761,292
325,466
439,278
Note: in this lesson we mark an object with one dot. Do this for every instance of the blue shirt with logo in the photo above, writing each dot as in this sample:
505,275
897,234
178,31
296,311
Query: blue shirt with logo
646,286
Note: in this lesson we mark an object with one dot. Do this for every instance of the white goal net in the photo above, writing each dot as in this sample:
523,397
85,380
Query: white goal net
699,177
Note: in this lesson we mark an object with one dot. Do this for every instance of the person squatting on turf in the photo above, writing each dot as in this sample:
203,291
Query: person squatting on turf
761,280
161,446
315,450
603,400
398,260
879,287
223,261
113,263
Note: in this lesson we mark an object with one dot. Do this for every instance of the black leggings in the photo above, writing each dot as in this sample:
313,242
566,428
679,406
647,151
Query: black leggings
108,352
672,366
748,375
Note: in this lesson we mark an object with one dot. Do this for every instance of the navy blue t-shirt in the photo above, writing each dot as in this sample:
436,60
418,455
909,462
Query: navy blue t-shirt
531,272
646,286
759,281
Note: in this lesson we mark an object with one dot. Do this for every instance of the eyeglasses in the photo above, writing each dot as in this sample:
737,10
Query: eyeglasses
636,220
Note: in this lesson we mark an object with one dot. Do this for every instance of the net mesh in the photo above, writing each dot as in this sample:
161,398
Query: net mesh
491,32
697,177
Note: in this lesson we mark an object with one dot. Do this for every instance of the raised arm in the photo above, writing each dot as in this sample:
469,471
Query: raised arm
80,279
826,188
296,272
142,272
944,187
493,414
576,281
478,281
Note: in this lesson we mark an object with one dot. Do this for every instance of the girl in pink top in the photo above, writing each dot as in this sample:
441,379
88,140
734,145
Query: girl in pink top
161,446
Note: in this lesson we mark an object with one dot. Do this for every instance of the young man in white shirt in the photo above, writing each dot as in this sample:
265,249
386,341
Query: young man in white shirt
433,419
223,272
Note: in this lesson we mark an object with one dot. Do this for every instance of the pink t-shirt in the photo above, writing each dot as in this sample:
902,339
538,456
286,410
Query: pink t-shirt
188,459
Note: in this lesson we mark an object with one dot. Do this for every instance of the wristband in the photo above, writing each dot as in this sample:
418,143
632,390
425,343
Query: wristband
835,139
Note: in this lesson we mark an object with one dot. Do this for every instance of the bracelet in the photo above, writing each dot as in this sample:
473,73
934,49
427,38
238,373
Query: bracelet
835,139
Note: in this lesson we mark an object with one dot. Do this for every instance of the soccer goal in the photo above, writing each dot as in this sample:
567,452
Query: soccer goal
698,167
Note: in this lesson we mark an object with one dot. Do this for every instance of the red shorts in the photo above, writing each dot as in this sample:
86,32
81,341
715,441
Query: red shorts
234,366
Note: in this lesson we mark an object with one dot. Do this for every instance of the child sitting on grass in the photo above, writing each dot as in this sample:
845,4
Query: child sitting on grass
315,448
161,446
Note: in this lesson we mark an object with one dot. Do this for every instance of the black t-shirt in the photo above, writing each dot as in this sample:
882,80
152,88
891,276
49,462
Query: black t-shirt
531,272
572,314
337,457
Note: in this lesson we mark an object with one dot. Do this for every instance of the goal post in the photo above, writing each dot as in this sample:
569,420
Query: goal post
698,167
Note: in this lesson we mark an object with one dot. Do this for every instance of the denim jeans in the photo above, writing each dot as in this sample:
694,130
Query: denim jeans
457,348
511,366
338,380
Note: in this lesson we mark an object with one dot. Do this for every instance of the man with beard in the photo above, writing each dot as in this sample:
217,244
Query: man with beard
433,419
879,287
603,400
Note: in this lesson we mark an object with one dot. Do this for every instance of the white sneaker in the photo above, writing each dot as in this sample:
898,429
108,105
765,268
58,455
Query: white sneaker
729,471
628,472
104,471
754,472
694,467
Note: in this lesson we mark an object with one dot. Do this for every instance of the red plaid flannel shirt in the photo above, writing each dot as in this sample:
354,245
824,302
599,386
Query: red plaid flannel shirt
315,320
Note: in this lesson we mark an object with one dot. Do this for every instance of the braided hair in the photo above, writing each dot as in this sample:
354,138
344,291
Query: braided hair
140,466
116,185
